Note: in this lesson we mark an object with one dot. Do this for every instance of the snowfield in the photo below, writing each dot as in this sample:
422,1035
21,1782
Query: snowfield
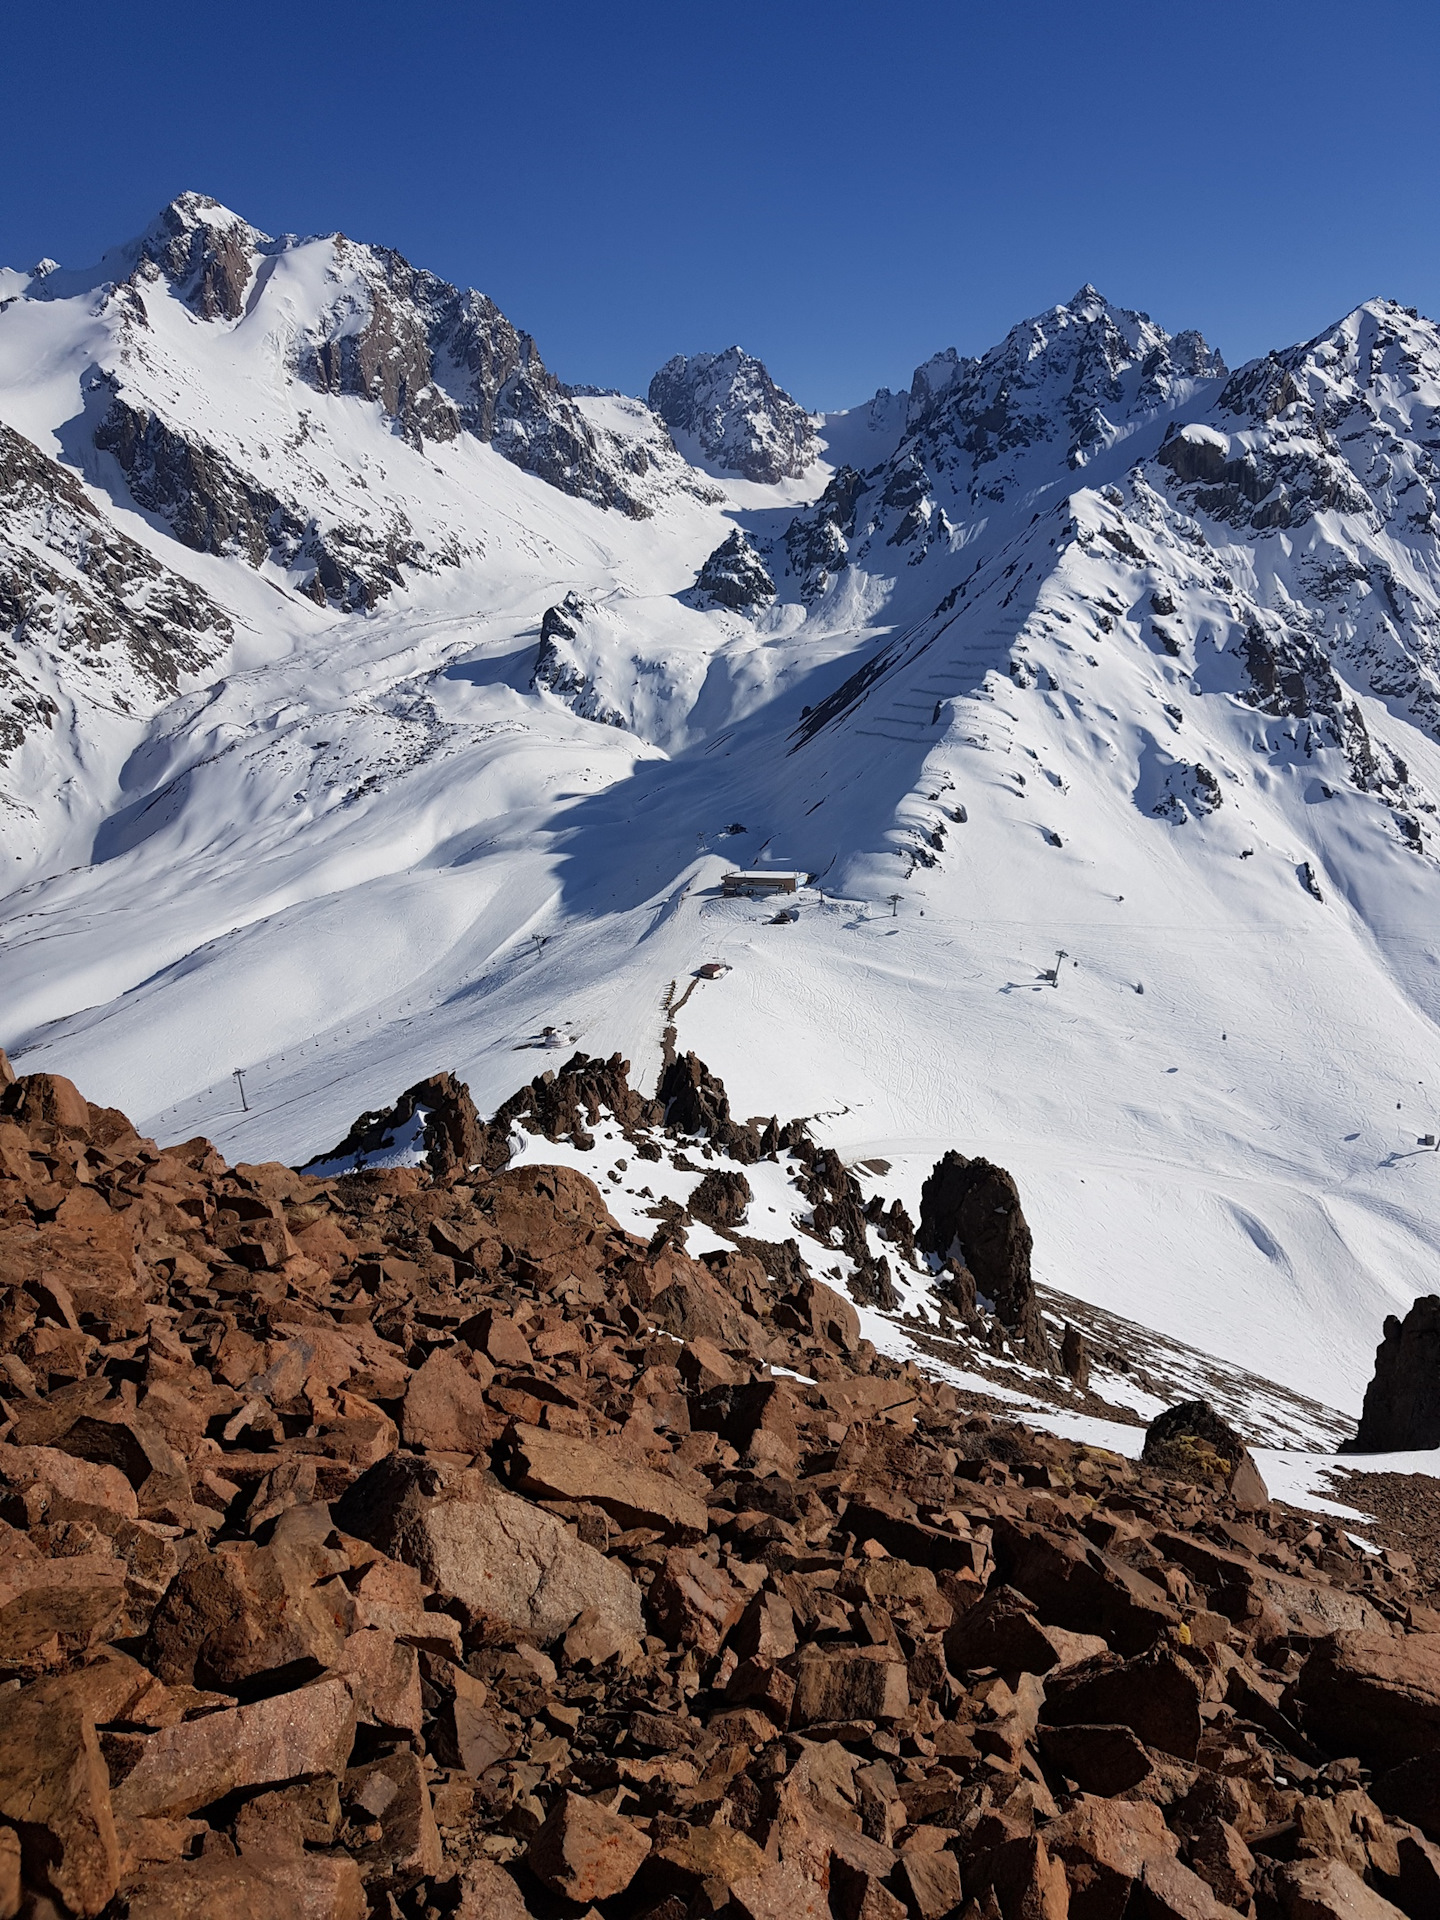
1111,757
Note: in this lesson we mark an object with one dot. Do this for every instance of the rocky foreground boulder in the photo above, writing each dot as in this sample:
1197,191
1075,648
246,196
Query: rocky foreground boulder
418,1543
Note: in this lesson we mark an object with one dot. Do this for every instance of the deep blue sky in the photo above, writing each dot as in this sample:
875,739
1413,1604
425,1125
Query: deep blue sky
842,188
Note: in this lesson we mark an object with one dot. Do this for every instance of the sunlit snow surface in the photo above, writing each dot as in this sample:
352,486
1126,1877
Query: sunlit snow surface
369,851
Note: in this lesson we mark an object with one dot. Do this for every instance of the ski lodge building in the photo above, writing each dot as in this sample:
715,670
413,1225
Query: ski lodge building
758,885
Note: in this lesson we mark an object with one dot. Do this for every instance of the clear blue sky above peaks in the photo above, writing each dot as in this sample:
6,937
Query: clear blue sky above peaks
843,189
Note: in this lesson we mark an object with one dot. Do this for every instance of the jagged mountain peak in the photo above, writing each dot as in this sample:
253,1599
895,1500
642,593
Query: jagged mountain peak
205,251
726,409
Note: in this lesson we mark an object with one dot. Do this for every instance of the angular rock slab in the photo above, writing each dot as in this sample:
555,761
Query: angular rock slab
496,1554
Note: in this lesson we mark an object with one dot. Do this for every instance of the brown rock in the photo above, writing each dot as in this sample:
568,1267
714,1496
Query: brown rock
1411,1791
287,1737
1105,1846
1376,1697
137,1447
1002,1631
55,1791
498,1338
1223,1862
703,1365
1156,1696
759,1683
1328,1890
488,1893
73,1602
244,1611
971,1209
1075,1357
1241,1589
215,1887
1073,1584
766,1629
694,1603
551,1466
82,1480
259,1886
1169,1891
909,1594
864,1683
445,1408
1416,1883
1099,1759
584,1851
593,1640
10,1890
46,1099
778,1892
1402,1401
391,1793
858,1895
384,1680
498,1555
931,1882
697,1865
1028,1883
829,1315
1191,1442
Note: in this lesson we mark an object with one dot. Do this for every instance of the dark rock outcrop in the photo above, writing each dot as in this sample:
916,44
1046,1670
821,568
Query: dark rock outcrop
695,1101
734,576
206,251
436,1115
741,421
568,1103
74,583
559,668
971,1209
1402,1402
212,506
817,541
720,1199
439,360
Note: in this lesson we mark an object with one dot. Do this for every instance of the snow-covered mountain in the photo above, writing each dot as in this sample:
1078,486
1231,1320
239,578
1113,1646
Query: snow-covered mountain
373,702
726,411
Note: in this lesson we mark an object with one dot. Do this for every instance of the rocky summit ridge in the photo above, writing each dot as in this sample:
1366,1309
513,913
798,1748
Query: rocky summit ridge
417,1542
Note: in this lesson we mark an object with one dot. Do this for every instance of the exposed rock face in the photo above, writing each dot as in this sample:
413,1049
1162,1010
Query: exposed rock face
971,1208
214,507
721,1199
740,420
817,542
435,1119
1402,1401
560,1105
1064,371
610,1609
73,585
696,1102
206,251
559,667
734,576
501,1557
439,360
